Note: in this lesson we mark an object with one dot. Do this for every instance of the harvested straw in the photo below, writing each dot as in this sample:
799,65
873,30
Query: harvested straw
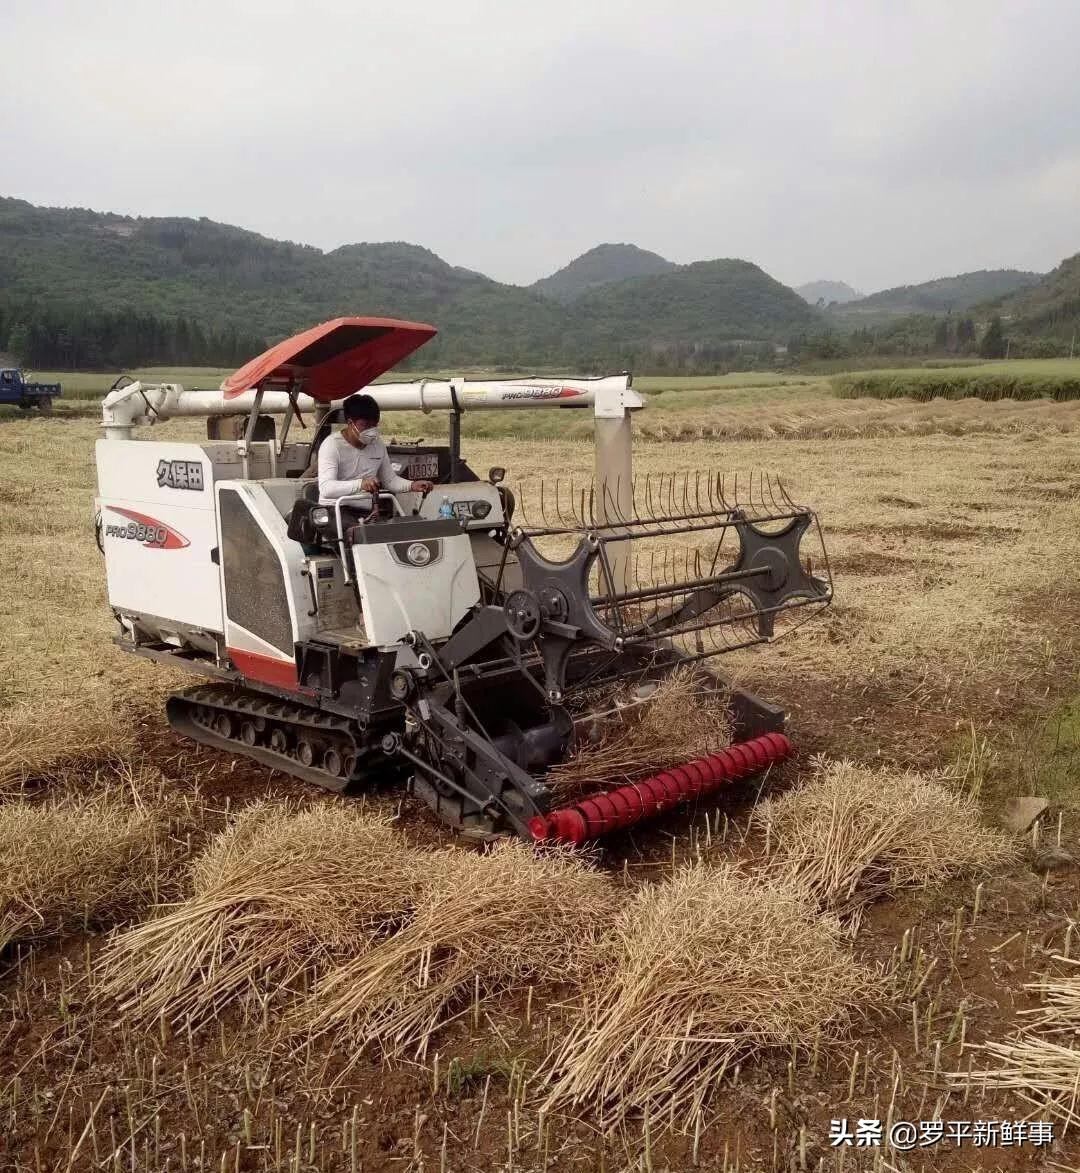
484,924
276,897
1060,1010
1043,1072
77,861
699,972
680,720
1035,1064
30,747
853,834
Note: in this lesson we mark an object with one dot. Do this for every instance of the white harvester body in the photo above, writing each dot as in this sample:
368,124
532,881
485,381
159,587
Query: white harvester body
195,555
432,633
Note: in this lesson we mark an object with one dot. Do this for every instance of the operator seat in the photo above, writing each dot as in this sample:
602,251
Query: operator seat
300,526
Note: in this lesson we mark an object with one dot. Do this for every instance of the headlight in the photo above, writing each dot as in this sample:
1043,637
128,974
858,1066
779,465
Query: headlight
418,553
320,515
481,508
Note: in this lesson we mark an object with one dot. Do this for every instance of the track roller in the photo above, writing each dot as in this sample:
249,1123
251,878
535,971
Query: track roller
307,743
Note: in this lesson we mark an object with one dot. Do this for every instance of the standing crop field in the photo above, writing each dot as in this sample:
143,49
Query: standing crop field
243,973
1020,379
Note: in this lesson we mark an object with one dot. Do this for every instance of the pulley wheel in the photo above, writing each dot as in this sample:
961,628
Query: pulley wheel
248,733
332,762
523,615
224,725
348,765
279,741
305,751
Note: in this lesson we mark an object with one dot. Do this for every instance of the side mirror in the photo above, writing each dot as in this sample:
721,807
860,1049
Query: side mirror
496,475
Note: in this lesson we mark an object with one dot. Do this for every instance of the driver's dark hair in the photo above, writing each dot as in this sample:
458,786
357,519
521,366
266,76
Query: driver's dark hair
361,407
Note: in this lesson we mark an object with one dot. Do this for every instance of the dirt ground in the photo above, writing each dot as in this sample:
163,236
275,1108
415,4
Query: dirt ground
952,644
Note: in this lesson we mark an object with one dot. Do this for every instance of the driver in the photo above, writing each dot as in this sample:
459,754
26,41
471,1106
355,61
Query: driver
355,460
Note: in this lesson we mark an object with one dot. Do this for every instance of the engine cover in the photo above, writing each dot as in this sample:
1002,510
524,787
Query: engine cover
413,575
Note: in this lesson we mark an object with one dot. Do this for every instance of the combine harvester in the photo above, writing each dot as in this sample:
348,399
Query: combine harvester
379,634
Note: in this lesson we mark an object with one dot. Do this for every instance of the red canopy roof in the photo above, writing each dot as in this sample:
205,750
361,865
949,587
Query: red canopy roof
333,359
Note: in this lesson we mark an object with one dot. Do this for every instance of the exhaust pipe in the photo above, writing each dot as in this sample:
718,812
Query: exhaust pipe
614,810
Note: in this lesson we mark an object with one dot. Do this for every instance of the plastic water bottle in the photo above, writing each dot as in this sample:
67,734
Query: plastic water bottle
446,509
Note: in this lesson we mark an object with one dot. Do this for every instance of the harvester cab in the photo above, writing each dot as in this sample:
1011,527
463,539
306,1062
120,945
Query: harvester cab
453,640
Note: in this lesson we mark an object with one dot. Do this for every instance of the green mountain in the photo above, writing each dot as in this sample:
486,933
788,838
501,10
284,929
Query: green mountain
74,262
601,265
944,295
707,303
215,273
1049,310
827,292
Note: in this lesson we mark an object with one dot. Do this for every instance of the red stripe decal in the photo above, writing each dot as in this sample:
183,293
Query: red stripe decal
163,537
280,673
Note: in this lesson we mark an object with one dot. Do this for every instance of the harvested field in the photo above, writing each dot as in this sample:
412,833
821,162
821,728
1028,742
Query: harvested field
951,645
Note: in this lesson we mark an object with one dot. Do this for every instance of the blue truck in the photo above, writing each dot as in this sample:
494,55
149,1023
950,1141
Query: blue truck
15,391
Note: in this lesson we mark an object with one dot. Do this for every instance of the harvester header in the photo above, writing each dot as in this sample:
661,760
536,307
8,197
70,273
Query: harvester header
455,640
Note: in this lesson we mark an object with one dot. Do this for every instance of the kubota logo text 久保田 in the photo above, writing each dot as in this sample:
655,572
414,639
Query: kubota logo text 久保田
153,534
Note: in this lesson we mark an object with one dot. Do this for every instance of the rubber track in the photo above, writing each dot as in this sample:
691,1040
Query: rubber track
181,711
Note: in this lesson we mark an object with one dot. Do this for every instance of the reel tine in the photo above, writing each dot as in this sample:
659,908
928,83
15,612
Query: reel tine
778,505
611,504
765,486
784,493
768,502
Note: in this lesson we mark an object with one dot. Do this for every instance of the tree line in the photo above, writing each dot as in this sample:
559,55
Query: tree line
51,337
55,337
920,335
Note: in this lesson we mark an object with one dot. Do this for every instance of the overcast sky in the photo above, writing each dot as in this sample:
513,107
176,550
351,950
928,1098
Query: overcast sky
875,143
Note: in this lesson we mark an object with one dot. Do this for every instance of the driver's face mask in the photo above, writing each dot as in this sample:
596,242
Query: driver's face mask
365,436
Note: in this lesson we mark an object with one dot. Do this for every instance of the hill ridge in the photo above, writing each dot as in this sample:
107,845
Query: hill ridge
233,278
603,264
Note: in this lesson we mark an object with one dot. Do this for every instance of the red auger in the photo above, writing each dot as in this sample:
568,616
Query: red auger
614,810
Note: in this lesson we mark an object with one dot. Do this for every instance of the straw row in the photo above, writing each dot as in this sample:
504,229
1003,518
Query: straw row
853,834
79,861
700,972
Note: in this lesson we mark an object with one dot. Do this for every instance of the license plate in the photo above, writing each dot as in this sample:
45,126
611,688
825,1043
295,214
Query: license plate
424,467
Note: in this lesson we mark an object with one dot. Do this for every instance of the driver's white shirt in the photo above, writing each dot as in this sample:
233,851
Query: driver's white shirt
342,467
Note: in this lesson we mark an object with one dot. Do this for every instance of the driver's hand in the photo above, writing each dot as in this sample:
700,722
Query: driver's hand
422,486
369,485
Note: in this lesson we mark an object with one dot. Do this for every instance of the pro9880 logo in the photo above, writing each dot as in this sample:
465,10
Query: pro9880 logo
151,533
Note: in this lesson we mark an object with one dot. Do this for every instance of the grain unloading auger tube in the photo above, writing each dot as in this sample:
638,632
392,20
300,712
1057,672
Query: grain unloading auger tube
453,642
